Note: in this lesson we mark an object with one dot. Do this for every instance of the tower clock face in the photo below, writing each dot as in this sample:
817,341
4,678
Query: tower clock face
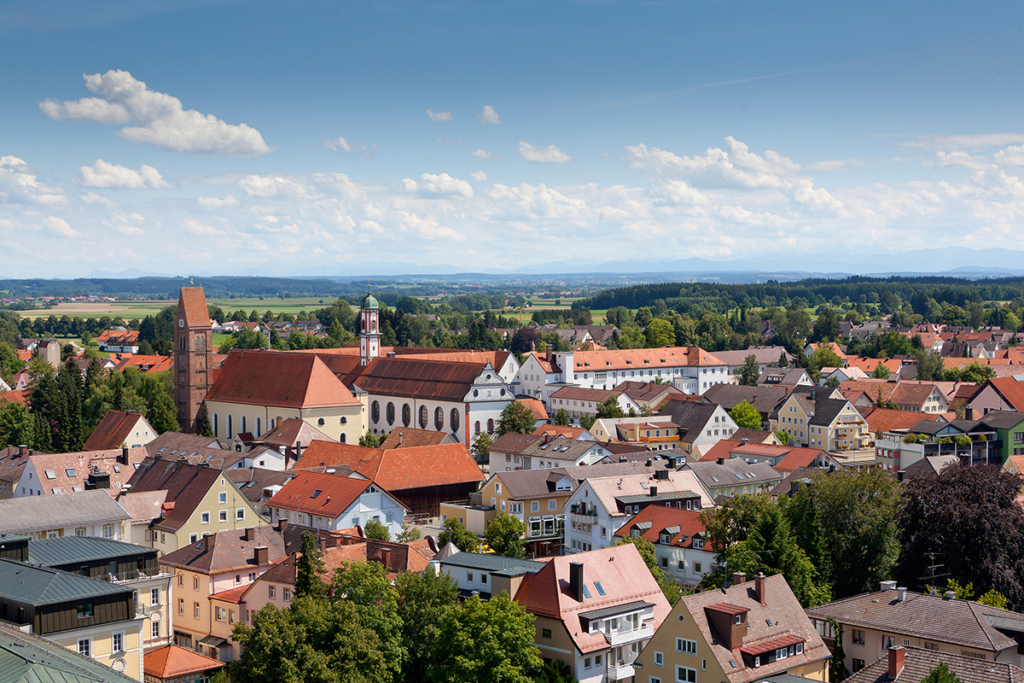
181,322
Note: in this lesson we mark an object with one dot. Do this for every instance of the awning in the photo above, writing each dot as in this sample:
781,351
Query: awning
769,645
213,641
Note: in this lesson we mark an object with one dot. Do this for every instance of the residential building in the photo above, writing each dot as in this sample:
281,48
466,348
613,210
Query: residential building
125,564
26,658
419,477
928,467
912,395
705,424
1009,428
831,424
650,395
193,358
731,477
120,429
259,485
971,441
486,575
145,507
653,433
54,473
680,541
600,506
539,451
763,355
176,664
886,420
118,340
915,664
89,513
1000,393
748,631
200,501
578,433
291,435
579,402
765,399
333,502
594,611
871,623
214,566
97,619
256,389
785,377
783,459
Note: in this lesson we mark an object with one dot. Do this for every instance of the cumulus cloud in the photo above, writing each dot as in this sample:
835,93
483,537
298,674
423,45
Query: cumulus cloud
18,185
217,202
536,201
816,198
488,116
104,174
734,166
1011,156
439,117
543,155
338,144
59,226
478,176
959,158
442,185
156,118
481,155
93,198
983,141
194,227
678,192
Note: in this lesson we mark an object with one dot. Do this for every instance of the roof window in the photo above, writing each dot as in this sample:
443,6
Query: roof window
70,471
599,587
586,593
50,474
316,493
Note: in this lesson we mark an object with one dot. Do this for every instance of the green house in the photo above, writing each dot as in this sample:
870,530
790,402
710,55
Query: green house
1009,426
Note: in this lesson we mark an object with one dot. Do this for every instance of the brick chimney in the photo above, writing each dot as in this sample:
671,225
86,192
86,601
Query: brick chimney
124,455
385,558
738,578
576,580
760,589
261,554
250,534
897,658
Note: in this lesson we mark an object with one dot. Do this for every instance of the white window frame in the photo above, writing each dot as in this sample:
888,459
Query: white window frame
114,638
685,678
87,650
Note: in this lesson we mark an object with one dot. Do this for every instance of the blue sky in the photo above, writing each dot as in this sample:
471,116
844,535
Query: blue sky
614,130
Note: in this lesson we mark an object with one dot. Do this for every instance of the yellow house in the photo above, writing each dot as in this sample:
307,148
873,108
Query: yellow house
747,632
831,423
200,501
255,390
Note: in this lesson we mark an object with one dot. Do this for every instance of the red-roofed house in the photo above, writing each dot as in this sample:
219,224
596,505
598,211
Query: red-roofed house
421,477
118,341
783,459
679,540
999,393
173,663
595,611
119,428
332,502
256,389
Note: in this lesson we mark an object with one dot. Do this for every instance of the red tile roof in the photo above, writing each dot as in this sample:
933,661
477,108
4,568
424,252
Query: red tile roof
557,430
172,661
289,380
192,307
536,408
421,379
661,517
673,356
886,419
20,397
398,469
336,494
231,595
405,437
1011,390
793,457
113,430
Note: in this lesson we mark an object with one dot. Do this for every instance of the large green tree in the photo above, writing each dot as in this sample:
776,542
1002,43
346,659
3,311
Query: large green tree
366,586
659,333
456,532
309,568
423,599
375,529
610,408
516,418
746,416
506,535
751,371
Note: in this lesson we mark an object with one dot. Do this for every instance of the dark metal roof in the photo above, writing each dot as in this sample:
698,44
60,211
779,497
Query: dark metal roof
674,495
491,563
70,549
27,658
33,585
616,609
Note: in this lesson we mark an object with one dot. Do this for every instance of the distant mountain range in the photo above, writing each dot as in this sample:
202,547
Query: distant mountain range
956,262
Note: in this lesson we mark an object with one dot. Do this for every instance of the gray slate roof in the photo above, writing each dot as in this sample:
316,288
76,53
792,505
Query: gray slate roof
765,399
492,563
27,658
540,482
54,552
36,513
931,617
733,472
32,585
918,663
1003,419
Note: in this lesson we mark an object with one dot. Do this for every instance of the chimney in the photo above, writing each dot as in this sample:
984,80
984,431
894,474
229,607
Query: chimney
760,589
969,413
661,474
649,462
744,442
901,475
901,594
250,534
738,578
262,555
281,525
124,455
654,491
401,437
950,595
896,660
298,450
721,461
385,558
887,586
576,580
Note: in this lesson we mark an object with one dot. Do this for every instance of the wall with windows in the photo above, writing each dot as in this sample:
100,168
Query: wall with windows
685,565
117,645
230,419
223,508
371,504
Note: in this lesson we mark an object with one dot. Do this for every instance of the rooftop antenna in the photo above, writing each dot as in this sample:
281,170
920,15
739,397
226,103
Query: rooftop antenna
931,570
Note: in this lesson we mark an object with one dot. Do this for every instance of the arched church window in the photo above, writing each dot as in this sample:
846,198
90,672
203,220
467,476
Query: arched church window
390,412
455,419
439,419
406,415
424,416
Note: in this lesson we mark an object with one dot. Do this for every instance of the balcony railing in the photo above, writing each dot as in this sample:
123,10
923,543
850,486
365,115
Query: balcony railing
622,637
620,671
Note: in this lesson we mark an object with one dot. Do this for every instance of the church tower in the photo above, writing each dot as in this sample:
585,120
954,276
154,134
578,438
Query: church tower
192,358
369,330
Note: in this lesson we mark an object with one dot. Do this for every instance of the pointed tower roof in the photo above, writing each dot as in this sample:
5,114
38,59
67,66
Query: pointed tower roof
192,307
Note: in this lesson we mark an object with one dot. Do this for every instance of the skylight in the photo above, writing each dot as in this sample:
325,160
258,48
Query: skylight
117,468
739,476
714,478
600,589
586,593
316,493
70,471
50,474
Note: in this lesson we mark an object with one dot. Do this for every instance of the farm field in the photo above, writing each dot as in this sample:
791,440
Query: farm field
140,309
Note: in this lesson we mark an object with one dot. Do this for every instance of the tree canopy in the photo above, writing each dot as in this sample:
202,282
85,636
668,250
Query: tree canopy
506,535
746,416
516,418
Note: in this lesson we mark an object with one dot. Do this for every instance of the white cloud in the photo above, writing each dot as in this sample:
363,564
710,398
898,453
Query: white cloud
1011,156
442,185
816,198
158,118
440,117
678,192
18,185
543,155
478,176
93,198
194,227
835,165
488,116
60,227
536,201
984,141
482,155
734,166
276,186
960,158
104,174
216,202
338,144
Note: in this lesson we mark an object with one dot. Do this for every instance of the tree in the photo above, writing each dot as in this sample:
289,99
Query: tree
309,569
376,530
423,599
837,671
366,586
783,360
827,326
941,673
672,590
782,436
205,428
506,535
409,533
992,598
610,408
587,421
746,416
562,417
659,333
516,418
481,448
485,642
457,533
881,371
370,440
968,517
16,424
751,371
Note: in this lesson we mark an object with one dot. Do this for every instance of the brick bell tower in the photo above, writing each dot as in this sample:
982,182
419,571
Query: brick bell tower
192,358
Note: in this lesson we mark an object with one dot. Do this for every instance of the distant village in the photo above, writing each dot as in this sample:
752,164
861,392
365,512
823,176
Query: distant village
558,504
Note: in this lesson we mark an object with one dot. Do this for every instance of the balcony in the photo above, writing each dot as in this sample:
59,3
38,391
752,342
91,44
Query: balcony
620,671
617,638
